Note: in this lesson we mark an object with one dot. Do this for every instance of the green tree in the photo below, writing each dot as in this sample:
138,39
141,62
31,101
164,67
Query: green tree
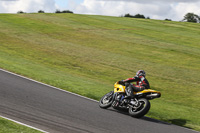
139,16
135,16
128,15
191,17
20,12
168,19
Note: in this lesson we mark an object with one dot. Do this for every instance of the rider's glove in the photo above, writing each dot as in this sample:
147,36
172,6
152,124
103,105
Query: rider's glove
121,82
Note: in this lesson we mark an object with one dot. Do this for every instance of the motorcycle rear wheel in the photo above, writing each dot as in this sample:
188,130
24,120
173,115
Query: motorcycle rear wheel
141,110
106,100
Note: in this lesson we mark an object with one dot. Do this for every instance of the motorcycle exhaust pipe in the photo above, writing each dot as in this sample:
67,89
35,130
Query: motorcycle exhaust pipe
153,95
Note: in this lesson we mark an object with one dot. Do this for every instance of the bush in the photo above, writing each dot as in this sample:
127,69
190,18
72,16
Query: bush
136,16
58,11
40,11
168,19
67,11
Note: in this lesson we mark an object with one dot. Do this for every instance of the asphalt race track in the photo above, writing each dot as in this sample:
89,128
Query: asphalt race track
53,110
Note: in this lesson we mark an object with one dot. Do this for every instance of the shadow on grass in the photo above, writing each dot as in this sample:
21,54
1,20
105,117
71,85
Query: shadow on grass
179,122
154,120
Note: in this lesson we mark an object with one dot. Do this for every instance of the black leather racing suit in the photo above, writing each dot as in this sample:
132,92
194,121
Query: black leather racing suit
141,84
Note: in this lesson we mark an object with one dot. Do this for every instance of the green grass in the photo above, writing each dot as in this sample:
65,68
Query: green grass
87,54
7,126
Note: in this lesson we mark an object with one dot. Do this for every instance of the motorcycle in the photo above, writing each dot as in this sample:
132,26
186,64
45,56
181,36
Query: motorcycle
137,107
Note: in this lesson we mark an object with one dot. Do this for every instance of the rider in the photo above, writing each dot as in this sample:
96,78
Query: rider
141,83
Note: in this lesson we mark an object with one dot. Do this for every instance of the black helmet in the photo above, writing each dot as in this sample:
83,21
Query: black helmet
140,73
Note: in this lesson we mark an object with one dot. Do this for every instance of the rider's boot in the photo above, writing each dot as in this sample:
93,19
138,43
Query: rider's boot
129,97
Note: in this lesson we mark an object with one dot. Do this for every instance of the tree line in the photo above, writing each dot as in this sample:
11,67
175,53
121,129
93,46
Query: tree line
57,11
189,17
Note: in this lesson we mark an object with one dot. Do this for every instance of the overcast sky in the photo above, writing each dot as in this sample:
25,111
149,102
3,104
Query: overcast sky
155,9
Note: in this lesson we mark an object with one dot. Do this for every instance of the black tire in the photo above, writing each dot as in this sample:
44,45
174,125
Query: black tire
106,100
140,111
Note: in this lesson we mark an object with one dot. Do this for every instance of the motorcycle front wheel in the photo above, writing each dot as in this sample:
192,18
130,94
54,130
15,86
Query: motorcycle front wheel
106,100
141,109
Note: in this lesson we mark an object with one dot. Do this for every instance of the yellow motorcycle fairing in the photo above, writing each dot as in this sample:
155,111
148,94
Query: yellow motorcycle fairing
119,88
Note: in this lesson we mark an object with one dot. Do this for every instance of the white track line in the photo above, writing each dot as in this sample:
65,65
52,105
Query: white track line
44,85
23,124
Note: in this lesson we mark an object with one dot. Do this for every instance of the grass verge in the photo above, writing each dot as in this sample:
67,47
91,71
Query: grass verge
7,126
